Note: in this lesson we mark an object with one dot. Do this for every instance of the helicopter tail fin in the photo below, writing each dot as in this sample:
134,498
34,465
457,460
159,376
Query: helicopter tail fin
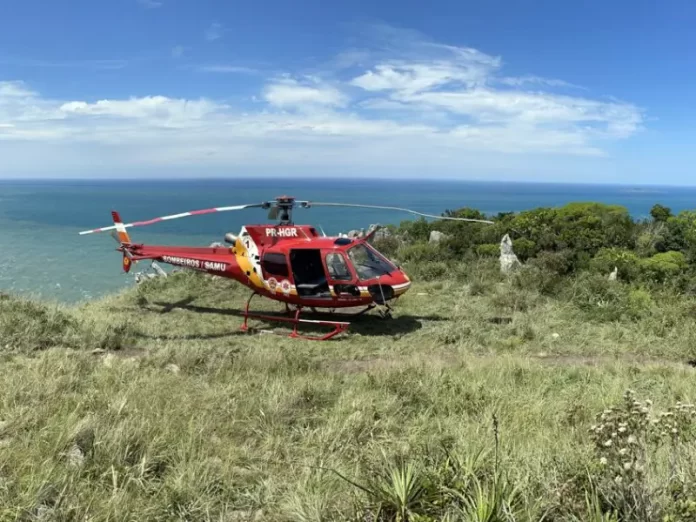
121,233
124,239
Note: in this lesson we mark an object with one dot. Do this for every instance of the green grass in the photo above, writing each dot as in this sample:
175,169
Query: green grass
152,405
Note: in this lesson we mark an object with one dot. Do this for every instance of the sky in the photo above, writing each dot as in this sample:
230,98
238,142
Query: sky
563,91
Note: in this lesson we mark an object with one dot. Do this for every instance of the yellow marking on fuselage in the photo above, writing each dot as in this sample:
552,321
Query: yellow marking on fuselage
245,264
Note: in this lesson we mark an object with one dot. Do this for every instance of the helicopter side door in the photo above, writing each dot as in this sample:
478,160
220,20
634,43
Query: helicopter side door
275,268
340,275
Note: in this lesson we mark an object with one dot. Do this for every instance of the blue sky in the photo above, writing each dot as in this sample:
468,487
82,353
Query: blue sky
538,90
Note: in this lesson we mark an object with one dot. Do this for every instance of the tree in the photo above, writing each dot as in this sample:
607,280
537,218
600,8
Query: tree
660,213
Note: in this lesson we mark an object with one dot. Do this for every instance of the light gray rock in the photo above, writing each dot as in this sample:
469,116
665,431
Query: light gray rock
436,236
508,258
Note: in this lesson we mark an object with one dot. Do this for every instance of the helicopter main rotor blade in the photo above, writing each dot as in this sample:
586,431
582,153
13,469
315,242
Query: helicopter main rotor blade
310,204
176,216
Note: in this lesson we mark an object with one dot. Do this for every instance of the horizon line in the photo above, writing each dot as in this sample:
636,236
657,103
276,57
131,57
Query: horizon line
321,179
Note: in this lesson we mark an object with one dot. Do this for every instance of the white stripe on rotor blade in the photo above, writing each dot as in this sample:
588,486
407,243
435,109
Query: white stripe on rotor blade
237,207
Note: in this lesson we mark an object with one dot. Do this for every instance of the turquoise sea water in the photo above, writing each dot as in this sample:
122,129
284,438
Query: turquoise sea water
42,254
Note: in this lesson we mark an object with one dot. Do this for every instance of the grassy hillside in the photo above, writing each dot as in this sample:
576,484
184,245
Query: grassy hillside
482,399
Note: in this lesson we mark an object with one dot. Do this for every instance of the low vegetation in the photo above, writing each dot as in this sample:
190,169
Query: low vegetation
552,393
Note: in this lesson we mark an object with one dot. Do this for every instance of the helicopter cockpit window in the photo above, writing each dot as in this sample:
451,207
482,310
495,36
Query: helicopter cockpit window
275,264
338,270
368,263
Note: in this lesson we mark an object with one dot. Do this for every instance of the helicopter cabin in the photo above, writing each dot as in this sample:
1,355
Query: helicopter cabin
340,263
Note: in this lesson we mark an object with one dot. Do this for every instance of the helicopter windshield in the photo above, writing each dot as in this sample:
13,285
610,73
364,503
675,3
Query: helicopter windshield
368,263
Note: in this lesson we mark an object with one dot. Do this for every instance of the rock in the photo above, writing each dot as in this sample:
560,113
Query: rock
75,456
436,236
356,233
44,512
508,258
172,368
160,271
380,231
614,274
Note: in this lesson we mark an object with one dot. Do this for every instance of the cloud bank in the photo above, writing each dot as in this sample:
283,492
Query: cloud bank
405,103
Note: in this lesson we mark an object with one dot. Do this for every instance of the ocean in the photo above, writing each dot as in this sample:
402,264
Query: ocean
42,255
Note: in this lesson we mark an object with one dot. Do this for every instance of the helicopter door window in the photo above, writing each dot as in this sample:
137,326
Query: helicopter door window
368,263
338,269
275,264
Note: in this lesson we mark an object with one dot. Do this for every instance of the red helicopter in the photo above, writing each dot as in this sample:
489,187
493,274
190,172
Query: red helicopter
285,262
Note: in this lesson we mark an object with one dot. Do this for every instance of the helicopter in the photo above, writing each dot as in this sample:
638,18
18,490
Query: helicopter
285,262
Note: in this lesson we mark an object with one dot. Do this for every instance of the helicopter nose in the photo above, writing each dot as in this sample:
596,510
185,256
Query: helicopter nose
401,284
389,287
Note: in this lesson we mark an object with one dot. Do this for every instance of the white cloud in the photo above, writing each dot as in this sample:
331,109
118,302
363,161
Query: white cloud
290,93
409,104
14,90
154,109
213,32
531,79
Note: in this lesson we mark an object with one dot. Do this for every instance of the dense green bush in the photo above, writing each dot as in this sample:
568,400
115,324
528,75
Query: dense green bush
662,266
488,250
524,248
565,240
626,262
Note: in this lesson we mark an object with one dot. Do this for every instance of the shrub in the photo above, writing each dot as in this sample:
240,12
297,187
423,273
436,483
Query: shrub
532,277
418,230
577,226
626,261
604,300
561,263
488,250
651,239
680,233
388,245
660,213
663,266
419,253
524,248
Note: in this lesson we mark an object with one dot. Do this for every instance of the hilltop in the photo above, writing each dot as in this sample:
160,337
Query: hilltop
485,393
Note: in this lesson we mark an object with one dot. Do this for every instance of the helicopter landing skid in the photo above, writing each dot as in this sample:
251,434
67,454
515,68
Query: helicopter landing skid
338,326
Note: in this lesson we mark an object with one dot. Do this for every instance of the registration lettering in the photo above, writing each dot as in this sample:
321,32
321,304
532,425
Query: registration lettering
281,232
